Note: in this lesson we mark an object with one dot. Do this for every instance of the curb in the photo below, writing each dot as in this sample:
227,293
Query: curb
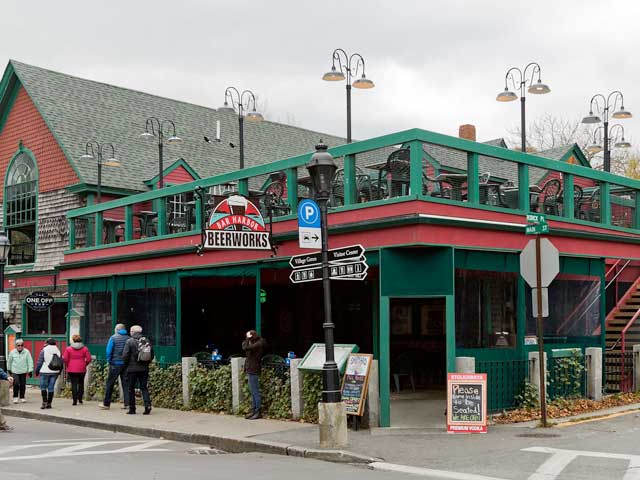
227,444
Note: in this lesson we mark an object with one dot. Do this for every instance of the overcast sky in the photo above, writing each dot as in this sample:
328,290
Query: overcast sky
436,64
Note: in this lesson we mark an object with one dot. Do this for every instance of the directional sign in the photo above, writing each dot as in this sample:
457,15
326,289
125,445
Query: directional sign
549,262
545,302
536,218
536,229
309,234
306,260
342,271
351,253
306,275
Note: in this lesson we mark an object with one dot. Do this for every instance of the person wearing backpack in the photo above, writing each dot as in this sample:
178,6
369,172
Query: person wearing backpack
137,355
49,366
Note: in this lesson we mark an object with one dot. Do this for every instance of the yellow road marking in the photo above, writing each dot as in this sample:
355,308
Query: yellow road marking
595,419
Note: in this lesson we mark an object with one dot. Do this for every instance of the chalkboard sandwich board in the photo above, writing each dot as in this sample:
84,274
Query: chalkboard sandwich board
355,382
467,402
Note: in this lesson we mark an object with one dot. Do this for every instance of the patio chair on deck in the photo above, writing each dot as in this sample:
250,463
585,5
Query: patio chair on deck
273,200
363,188
396,174
550,195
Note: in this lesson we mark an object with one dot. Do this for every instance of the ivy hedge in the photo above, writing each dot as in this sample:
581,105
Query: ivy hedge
165,385
211,389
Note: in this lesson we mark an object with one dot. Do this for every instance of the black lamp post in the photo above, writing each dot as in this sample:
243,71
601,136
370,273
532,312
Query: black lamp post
596,146
154,126
241,103
537,88
321,170
110,162
609,102
348,65
5,247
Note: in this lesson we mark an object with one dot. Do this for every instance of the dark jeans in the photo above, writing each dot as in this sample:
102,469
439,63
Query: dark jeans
254,388
140,378
116,371
48,381
19,384
77,385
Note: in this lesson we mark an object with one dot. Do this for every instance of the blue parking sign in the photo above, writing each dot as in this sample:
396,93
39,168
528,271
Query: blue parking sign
308,214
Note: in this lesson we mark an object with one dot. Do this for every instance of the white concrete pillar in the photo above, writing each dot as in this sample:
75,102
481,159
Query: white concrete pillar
636,368
59,385
593,364
297,382
5,393
88,376
188,364
534,371
373,396
465,364
332,422
237,366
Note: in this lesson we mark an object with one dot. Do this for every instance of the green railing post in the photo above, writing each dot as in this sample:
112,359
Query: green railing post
605,203
128,222
91,228
199,212
292,189
243,186
473,176
99,228
567,196
636,212
72,233
415,168
350,189
523,187
162,216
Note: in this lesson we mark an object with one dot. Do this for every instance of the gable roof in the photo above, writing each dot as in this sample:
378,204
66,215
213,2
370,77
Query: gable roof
79,110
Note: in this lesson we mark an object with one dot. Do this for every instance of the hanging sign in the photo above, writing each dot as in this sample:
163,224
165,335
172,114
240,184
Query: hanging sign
4,302
39,301
236,224
467,402
355,382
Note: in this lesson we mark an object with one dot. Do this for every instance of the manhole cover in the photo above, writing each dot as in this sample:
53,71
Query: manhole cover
538,435
206,451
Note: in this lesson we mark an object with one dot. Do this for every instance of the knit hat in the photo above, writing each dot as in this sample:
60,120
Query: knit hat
50,341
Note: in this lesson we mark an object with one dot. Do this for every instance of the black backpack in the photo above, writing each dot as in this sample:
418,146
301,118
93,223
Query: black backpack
55,363
145,353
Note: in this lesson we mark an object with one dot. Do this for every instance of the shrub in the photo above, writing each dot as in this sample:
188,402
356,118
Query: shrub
312,394
165,385
211,389
95,389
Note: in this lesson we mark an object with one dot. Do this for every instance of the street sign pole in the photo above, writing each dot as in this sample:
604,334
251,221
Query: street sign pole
542,366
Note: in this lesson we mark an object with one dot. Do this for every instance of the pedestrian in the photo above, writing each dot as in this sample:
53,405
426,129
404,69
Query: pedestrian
115,347
254,346
19,366
49,366
3,423
137,355
76,358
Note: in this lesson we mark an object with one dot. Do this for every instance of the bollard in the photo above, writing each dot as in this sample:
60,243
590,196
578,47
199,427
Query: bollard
188,364
373,396
89,376
593,360
237,396
5,394
465,364
636,368
534,371
297,382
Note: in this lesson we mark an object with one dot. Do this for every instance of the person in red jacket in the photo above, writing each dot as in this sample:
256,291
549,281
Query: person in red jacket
76,358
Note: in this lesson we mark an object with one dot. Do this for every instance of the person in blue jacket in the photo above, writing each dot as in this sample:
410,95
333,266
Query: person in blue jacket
3,423
115,346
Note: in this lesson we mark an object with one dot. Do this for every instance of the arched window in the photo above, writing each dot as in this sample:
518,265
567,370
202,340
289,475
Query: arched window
20,207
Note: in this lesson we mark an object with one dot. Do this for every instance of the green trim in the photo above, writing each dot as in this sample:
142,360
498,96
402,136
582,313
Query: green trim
258,305
88,188
576,151
34,336
350,180
181,162
415,168
567,196
128,223
523,193
450,332
384,363
292,190
9,88
605,203
473,187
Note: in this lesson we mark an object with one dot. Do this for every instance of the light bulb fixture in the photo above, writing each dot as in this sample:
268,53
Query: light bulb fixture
538,88
591,118
363,83
506,96
334,75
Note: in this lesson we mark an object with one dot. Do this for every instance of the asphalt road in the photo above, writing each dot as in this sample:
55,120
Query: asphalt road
41,450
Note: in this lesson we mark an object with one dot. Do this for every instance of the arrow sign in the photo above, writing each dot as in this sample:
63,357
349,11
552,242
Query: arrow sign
306,260
306,275
342,271
343,254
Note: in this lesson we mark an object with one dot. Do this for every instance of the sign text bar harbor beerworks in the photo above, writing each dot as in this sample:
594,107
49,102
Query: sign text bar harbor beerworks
337,255
345,271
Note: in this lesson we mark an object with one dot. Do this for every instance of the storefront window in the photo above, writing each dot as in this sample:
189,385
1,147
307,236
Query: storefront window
93,310
574,308
153,309
50,322
486,309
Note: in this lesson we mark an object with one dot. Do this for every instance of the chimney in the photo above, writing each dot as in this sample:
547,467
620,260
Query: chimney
468,132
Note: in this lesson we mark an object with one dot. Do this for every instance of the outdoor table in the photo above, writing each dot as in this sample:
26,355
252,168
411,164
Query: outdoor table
456,180
146,222
490,192
111,225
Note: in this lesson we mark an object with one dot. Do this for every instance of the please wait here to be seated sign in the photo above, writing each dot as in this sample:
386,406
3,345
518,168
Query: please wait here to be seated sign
467,402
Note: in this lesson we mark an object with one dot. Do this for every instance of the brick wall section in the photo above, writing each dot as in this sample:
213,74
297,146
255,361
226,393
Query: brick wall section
25,123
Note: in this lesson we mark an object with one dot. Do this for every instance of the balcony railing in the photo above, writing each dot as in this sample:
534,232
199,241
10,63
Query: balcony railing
409,165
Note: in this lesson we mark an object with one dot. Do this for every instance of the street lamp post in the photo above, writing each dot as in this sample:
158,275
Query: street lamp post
154,126
609,102
90,154
596,146
5,246
241,103
537,88
347,69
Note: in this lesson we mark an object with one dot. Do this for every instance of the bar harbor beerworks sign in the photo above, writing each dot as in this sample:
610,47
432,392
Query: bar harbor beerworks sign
237,224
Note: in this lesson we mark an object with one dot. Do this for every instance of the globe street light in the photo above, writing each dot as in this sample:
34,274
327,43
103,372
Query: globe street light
110,162
608,103
348,65
5,247
155,127
241,103
537,88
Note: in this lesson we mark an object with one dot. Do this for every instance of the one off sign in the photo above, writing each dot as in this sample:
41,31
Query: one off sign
309,233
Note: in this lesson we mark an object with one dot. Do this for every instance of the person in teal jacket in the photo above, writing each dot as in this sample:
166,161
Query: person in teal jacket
19,365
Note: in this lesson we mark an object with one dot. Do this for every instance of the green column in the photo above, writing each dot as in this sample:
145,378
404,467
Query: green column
415,168
605,203
243,186
473,188
636,216
72,234
90,222
162,215
128,222
99,228
199,213
450,314
384,363
567,196
258,304
350,188
178,285
292,189
523,187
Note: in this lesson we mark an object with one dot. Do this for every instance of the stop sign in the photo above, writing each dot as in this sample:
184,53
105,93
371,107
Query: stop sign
549,262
